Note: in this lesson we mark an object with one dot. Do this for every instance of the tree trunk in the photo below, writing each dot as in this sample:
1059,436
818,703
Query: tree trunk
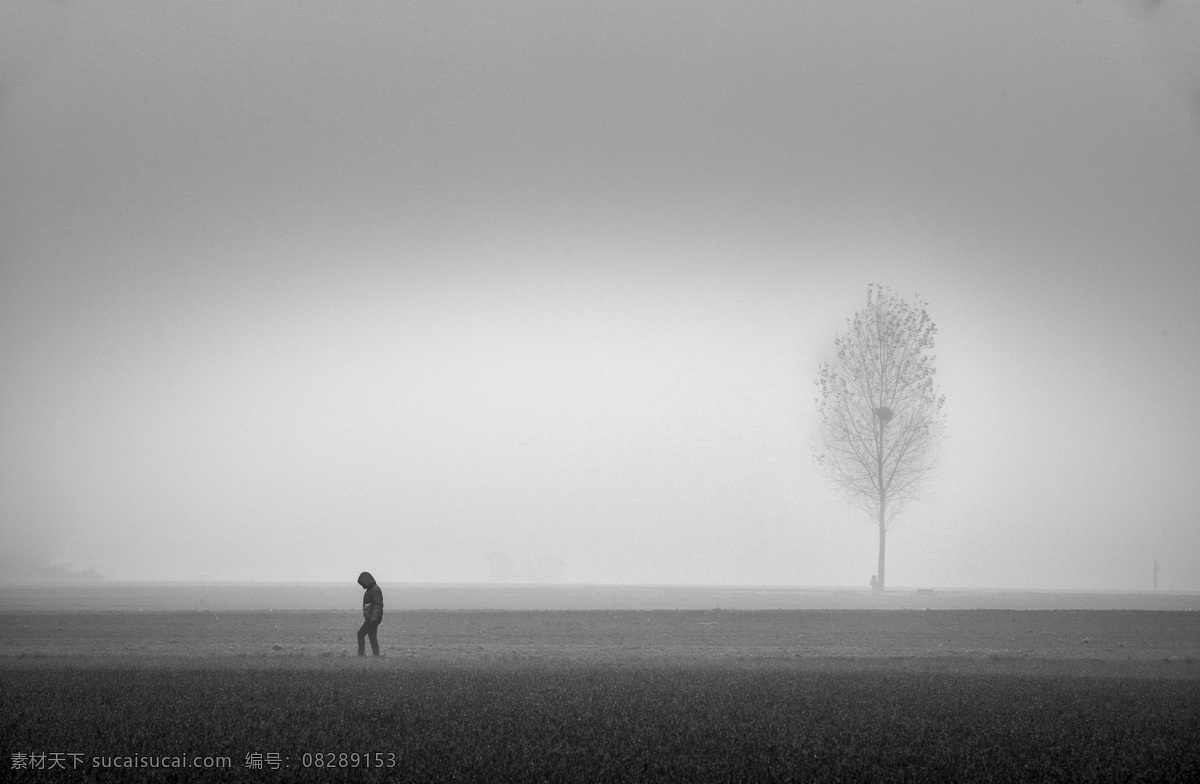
882,533
882,502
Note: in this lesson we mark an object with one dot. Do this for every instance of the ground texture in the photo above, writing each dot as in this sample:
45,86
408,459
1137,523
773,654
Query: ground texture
713,695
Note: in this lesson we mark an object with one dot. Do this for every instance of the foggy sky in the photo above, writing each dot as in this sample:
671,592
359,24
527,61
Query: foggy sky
289,290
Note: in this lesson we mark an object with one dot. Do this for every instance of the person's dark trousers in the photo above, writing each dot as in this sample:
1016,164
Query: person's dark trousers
371,630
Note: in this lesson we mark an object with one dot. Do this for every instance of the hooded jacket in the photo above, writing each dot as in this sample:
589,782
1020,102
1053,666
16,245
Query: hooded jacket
372,599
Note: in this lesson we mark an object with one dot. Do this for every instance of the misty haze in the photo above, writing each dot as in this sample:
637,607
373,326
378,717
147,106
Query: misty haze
529,293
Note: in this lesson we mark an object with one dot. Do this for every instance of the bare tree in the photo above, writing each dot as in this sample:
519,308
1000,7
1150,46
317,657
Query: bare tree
881,414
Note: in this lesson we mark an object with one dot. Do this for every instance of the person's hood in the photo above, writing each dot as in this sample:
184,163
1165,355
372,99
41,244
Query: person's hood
366,580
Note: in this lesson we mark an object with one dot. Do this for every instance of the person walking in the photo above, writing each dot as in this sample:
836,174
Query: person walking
372,614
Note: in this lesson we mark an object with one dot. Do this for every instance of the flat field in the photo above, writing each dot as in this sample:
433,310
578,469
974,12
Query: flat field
603,695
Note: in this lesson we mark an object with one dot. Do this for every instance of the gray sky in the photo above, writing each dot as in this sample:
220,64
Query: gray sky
291,290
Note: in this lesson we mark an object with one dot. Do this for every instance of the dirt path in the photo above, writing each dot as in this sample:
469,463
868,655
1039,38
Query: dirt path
716,635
